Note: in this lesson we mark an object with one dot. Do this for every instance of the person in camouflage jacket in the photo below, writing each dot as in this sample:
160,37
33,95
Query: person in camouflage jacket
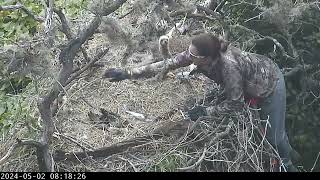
244,76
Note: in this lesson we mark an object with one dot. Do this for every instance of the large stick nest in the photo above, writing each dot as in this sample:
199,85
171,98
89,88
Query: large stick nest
142,126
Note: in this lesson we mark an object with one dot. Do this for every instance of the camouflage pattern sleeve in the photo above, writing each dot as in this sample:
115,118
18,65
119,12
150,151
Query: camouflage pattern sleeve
233,90
233,83
150,70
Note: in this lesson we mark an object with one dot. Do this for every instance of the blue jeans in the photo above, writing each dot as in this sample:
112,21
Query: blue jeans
273,108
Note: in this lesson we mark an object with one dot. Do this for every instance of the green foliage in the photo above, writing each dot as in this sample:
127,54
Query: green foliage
17,24
72,7
169,164
14,85
14,109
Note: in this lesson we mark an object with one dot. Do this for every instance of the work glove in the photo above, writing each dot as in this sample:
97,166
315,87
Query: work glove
116,74
197,112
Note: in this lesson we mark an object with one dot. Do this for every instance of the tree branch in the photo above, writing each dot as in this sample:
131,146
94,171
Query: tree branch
262,38
98,57
220,5
114,6
44,104
32,143
210,12
193,15
49,19
66,58
67,31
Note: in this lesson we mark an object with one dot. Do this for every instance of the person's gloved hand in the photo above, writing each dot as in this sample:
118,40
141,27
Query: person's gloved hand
197,112
116,74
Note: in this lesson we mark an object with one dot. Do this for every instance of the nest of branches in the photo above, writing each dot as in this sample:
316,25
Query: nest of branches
153,135
136,125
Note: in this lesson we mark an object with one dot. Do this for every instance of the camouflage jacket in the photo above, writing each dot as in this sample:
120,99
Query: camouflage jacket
242,74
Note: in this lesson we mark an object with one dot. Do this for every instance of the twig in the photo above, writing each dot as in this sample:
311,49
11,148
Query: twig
196,163
220,5
257,16
126,14
95,59
49,17
10,151
195,16
222,134
72,140
11,7
276,42
314,165
18,144
67,31
209,11
132,165
112,7
64,23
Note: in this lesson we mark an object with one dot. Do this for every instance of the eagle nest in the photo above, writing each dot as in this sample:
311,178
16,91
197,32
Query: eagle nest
143,126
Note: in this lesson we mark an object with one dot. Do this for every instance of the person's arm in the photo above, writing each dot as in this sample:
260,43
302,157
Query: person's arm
150,70
233,84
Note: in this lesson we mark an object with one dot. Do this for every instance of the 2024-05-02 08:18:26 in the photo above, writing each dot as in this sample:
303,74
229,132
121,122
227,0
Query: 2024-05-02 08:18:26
43,175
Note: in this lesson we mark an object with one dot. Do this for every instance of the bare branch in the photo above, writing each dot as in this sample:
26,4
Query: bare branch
98,57
72,140
314,165
66,58
11,7
44,104
126,14
19,144
67,31
262,38
220,5
49,17
210,12
193,15
64,23
198,161
113,7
